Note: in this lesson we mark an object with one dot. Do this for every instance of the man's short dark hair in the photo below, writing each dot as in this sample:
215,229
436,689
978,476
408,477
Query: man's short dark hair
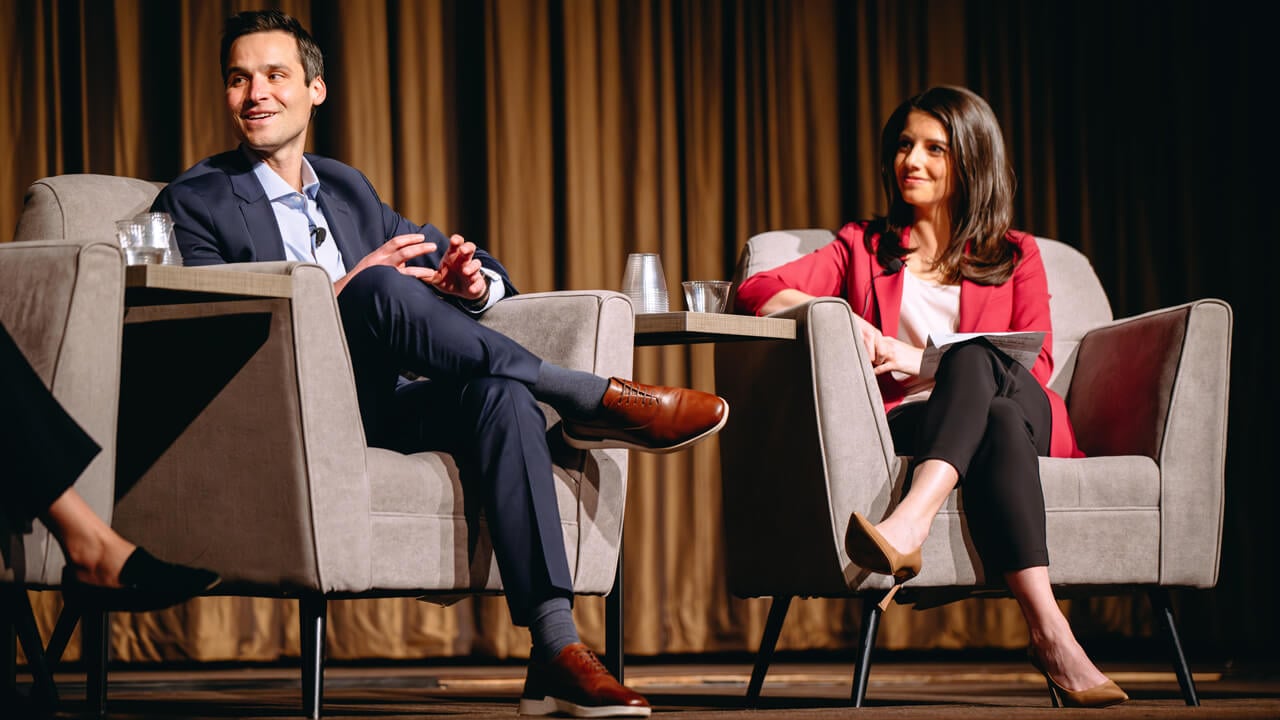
256,21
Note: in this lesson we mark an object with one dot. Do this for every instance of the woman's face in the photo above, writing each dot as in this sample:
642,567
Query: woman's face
923,163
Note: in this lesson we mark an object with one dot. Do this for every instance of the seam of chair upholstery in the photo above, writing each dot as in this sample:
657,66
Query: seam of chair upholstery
62,214
822,441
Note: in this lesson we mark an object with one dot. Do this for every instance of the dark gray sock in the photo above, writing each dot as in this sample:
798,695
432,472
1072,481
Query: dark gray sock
552,628
572,392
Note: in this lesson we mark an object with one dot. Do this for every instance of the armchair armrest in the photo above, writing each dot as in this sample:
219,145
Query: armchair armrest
591,330
272,267
263,384
807,445
62,301
1175,373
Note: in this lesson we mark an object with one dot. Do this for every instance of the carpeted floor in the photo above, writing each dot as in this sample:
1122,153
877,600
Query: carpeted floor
680,691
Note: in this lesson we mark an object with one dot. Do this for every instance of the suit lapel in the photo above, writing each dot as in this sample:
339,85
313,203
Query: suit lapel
259,218
888,296
341,225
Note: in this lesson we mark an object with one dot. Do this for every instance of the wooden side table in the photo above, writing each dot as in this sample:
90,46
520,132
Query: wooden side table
682,328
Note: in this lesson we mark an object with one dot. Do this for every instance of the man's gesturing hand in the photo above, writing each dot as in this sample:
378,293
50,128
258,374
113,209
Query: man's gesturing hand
395,252
459,272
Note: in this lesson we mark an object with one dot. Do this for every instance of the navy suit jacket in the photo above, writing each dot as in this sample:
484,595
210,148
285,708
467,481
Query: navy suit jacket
221,214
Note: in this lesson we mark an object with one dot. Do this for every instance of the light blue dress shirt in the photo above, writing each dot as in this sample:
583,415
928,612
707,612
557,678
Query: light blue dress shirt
302,226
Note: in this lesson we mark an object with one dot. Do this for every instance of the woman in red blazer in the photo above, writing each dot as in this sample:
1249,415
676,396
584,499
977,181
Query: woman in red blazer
944,260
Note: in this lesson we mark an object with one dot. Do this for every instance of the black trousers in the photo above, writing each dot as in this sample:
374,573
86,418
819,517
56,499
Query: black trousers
44,450
476,406
990,419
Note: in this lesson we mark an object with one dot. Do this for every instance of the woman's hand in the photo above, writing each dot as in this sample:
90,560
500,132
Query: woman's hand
869,334
892,355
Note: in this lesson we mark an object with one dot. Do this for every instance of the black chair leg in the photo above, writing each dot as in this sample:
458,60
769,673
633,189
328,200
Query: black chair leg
614,653
95,633
67,621
1163,610
22,621
8,645
313,610
772,629
870,625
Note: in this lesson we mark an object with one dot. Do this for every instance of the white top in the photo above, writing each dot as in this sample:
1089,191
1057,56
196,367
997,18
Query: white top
927,307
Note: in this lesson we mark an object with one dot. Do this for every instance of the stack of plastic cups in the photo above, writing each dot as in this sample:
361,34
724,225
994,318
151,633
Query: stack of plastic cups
644,282
159,238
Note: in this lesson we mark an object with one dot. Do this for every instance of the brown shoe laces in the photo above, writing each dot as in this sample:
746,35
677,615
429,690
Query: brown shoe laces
592,660
632,395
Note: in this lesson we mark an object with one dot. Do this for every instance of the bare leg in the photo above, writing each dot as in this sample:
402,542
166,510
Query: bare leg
95,552
1051,635
908,525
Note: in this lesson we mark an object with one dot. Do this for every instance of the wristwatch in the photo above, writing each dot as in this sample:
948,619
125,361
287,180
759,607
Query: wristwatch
479,303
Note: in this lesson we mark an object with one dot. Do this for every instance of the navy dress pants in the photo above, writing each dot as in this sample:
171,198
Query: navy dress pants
476,405
990,419
44,450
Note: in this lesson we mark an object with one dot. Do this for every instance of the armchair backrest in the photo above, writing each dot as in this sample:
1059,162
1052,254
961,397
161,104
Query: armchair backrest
82,207
1077,302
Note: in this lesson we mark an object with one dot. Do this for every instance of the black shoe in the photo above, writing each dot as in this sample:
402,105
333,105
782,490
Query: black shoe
146,584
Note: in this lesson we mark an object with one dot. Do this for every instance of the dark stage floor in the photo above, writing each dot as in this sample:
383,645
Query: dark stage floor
679,690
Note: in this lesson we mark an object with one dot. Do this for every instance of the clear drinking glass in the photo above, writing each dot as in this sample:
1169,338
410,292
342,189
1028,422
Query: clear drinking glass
130,234
644,282
706,295
157,246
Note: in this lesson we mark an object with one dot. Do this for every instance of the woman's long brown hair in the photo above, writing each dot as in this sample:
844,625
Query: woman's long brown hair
982,201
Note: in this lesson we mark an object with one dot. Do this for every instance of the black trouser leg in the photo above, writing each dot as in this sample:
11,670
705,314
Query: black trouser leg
497,433
44,450
989,419
395,323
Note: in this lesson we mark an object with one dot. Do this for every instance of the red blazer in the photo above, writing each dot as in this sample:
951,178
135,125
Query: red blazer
845,269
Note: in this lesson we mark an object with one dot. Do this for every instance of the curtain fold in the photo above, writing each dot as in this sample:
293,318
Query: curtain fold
564,134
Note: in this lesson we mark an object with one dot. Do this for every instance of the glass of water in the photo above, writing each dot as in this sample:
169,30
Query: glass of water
158,246
130,234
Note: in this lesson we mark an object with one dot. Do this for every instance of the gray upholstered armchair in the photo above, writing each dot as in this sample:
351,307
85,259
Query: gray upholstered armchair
242,448
62,299
1143,511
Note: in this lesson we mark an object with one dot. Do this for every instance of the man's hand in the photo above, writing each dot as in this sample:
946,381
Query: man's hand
459,272
395,252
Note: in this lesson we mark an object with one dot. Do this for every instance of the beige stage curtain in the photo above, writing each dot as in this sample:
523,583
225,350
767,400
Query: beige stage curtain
562,135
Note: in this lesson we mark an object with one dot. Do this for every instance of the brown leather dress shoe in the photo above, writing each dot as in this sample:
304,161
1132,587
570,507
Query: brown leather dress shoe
577,684
648,417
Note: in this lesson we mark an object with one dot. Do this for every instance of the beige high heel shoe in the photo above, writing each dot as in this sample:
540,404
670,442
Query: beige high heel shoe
868,549
1101,695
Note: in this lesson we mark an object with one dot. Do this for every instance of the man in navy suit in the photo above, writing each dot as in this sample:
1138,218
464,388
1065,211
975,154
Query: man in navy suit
409,300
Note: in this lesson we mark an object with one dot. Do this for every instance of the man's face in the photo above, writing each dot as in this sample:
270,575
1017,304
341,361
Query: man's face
268,95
